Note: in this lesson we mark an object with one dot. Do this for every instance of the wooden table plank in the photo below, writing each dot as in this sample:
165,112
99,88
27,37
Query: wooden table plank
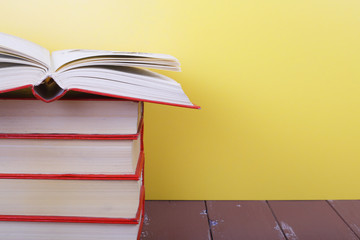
175,220
310,220
349,210
250,220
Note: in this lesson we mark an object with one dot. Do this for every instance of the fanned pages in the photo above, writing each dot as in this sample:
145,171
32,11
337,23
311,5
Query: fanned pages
109,73
18,47
66,59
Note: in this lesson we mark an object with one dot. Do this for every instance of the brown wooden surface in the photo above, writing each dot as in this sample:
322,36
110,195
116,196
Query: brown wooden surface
349,212
310,220
248,220
175,220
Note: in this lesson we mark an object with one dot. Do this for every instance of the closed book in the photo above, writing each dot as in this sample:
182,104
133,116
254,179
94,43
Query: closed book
70,119
86,201
20,230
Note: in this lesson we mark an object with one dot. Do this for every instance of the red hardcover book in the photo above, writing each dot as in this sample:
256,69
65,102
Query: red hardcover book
74,118
78,219
108,73
27,227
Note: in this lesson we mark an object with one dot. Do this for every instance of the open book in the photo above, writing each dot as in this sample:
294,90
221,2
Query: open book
25,64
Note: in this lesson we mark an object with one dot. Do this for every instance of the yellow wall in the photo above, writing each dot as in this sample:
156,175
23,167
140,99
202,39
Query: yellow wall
278,82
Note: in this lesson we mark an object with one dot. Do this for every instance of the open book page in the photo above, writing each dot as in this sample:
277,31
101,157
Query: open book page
16,75
18,47
125,82
7,58
66,58
124,62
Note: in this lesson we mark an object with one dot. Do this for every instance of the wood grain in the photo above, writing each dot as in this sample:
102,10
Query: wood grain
310,220
250,220
350,213
175,220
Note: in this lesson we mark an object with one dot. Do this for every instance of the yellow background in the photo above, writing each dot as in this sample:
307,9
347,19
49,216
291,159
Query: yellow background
278,82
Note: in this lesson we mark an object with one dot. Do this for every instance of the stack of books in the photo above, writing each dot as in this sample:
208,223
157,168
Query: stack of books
73,169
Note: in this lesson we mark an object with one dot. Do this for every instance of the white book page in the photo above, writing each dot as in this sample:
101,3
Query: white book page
25,48
15,75
5,58
128,82
122,63
60,58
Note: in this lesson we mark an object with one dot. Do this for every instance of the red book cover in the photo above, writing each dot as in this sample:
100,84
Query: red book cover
79,219
78,136
135,176
62,92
